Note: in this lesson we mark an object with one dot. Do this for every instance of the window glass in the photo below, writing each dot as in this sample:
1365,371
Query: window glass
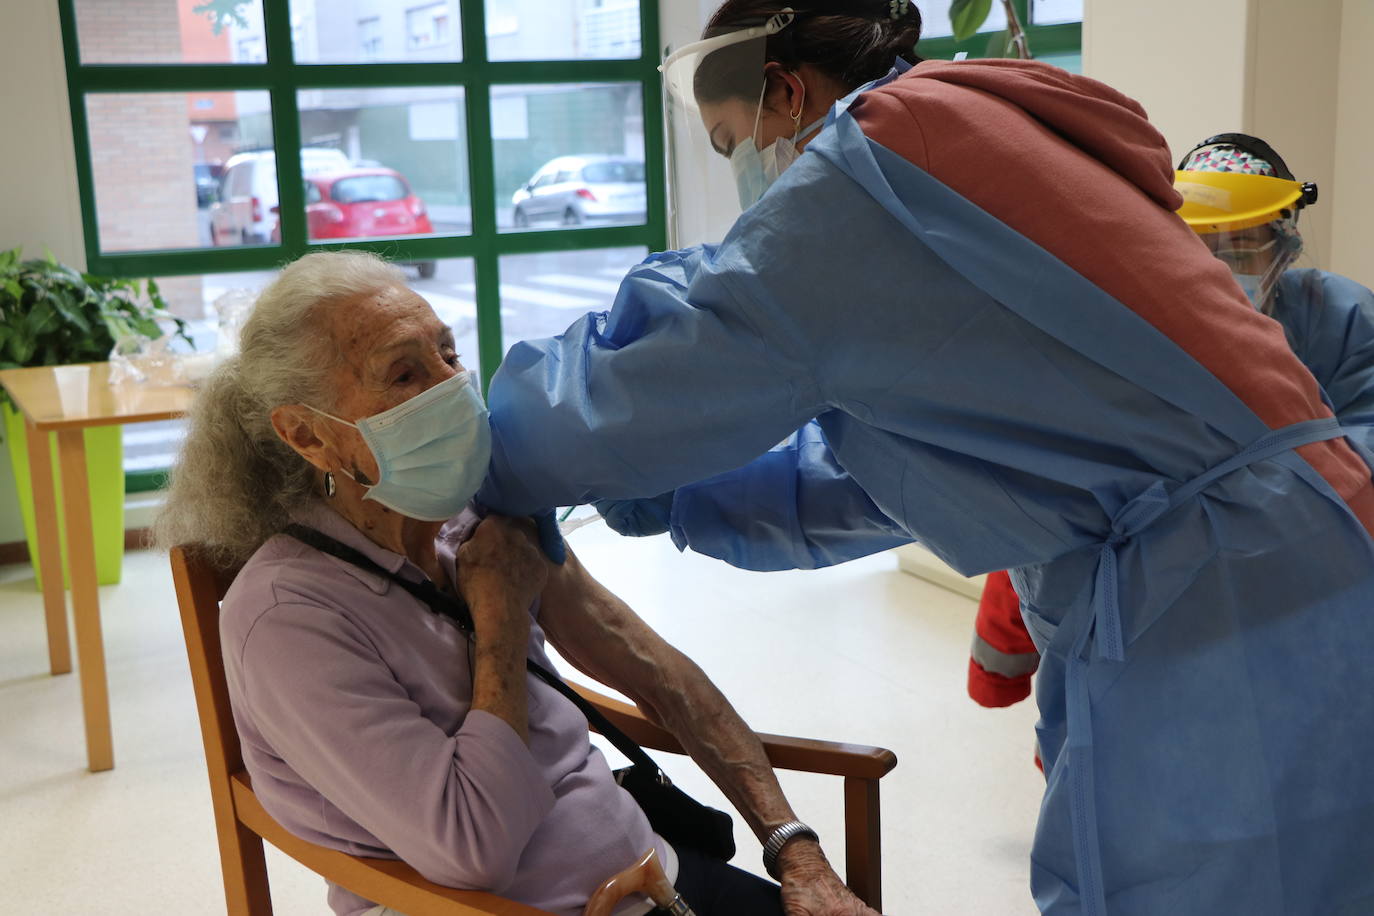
1056,12
119,32
541,294
207,304
562,29
935,19
370,31
400,166
162,163
546,137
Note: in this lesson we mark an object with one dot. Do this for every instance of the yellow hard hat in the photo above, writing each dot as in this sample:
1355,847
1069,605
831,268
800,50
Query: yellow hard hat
1222,201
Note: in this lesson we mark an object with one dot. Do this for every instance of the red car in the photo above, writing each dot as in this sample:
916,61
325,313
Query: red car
363,203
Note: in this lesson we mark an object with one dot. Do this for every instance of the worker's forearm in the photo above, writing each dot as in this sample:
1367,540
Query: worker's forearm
720,742
498,677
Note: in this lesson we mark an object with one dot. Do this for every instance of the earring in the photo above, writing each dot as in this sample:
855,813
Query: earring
329,487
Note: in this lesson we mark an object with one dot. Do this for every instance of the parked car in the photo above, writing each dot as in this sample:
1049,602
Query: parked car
207,183
248,191
573,190
362,203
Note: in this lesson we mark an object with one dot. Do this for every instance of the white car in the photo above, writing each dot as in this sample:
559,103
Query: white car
573,190
244,213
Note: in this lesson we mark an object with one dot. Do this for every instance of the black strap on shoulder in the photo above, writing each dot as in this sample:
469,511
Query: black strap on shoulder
455,609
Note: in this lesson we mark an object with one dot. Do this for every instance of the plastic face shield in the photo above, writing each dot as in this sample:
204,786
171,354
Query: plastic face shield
714,87
1248,222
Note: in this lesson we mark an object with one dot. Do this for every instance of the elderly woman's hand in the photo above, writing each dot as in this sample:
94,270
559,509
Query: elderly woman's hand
501,570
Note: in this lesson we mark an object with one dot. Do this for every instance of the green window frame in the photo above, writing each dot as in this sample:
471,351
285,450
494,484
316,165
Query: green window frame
1045,40
281,77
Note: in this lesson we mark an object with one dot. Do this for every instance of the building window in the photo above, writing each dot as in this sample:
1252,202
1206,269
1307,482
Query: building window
421,139
370,38
427,26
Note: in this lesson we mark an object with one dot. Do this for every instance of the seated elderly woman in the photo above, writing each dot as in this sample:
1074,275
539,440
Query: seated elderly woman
373,725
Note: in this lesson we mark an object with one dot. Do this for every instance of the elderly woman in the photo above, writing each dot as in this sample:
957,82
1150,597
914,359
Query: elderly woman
373,725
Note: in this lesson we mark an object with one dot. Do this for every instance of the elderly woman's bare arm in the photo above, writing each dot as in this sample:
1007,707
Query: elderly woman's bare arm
500,573
603,637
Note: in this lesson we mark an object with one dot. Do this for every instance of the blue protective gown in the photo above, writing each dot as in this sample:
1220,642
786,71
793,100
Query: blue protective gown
1203,598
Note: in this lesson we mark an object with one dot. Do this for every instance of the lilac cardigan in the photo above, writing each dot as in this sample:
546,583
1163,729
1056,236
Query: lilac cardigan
352,702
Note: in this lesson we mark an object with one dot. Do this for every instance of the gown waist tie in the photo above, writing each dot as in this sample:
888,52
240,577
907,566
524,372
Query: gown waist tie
1105,620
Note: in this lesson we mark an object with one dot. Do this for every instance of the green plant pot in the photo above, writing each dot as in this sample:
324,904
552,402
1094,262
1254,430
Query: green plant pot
104,476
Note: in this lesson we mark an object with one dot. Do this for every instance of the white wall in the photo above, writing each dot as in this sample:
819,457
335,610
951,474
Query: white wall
1352,248
703,203
39,206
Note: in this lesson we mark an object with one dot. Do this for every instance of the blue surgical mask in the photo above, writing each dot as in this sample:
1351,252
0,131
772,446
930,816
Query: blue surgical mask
431,451
755,170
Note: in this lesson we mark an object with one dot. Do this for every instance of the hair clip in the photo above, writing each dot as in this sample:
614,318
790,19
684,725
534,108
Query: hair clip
897,9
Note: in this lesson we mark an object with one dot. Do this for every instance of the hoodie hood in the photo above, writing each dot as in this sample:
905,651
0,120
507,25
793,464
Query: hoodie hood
1101,122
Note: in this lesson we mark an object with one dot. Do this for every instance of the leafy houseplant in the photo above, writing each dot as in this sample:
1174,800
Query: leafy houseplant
968,16
53,315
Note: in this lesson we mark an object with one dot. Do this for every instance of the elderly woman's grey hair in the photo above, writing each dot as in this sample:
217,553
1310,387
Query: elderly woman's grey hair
236,483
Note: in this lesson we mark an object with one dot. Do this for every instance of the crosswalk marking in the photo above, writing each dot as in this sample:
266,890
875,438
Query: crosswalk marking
574,281
548,298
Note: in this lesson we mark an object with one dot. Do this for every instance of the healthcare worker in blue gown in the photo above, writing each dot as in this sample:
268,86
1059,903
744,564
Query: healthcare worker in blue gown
1328,319
962,295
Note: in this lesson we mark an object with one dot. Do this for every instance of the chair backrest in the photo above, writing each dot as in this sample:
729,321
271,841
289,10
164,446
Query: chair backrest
240,821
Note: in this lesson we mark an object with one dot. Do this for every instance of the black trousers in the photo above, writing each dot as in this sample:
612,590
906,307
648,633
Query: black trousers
716,888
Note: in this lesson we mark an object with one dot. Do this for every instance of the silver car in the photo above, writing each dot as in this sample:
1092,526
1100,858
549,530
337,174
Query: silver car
575,190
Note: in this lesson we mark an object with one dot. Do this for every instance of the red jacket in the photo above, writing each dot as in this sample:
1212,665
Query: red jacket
1003,656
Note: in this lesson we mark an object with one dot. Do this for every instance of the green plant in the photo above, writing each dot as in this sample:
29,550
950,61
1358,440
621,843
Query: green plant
53,315
968,16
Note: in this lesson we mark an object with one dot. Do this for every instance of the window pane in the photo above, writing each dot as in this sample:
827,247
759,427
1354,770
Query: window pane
171,169
371,31
167,32
562,29
541,294
1054,12
206,302
568,156
399,166
935,19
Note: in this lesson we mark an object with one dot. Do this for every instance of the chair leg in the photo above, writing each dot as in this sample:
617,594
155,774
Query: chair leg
246,892
863,843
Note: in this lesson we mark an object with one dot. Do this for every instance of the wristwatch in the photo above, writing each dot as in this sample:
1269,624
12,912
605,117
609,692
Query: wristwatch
778,839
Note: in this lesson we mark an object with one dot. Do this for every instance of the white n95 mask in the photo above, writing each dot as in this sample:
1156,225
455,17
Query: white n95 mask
431,451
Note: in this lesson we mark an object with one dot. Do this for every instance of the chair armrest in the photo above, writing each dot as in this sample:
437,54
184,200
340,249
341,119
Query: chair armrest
388,882
806,755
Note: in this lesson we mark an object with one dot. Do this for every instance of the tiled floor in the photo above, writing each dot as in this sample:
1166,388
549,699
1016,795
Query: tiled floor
861,653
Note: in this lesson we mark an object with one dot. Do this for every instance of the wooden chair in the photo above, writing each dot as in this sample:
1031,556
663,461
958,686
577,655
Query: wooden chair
242,823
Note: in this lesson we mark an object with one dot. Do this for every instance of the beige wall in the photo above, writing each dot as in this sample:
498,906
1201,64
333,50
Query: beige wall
1296,74
1184,61
1352,248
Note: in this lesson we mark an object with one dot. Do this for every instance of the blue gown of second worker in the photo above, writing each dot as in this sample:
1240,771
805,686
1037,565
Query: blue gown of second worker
1221,764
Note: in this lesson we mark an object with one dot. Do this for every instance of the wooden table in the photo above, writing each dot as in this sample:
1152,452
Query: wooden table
67,400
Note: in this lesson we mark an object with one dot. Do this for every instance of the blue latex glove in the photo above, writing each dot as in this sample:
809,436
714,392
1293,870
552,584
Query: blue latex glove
637,518
550,538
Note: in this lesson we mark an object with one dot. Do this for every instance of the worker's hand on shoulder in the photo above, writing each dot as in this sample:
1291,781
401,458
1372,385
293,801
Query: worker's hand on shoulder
501,570
810,886
637,518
